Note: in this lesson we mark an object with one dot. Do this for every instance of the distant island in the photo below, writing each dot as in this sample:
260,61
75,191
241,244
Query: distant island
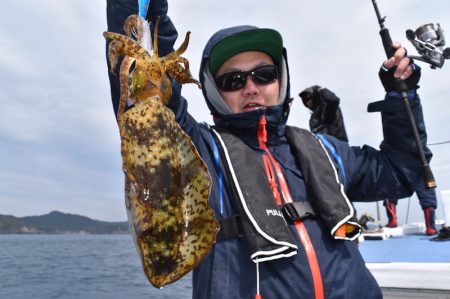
59,223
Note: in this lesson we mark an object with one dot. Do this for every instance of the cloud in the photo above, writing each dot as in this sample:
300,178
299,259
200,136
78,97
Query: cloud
59,144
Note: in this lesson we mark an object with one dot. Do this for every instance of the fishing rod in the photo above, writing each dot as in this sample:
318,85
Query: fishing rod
429,43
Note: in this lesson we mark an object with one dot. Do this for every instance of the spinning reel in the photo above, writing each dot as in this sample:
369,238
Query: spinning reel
429,41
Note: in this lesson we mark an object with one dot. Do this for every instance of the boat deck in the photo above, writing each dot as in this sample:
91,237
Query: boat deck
409,266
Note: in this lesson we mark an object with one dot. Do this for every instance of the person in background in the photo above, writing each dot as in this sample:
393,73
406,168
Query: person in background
428,202
282,195
326,116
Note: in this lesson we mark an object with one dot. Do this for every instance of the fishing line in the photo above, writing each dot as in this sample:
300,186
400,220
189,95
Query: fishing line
439,143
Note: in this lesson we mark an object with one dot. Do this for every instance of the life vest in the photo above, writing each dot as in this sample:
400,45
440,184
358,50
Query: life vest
263,222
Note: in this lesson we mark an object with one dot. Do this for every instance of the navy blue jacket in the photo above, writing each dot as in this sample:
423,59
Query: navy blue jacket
369,174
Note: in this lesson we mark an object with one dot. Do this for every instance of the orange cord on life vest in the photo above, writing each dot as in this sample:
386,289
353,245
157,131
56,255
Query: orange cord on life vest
262,139
301,229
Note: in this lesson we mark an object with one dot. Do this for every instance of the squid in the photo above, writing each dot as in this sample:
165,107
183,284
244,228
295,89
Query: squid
167,184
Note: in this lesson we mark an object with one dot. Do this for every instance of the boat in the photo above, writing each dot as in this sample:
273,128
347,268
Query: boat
407,263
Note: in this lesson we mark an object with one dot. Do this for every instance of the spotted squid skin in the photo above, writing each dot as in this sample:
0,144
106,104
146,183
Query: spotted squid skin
167,184
171,183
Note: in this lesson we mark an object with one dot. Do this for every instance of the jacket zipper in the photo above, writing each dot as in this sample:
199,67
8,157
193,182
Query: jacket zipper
269,160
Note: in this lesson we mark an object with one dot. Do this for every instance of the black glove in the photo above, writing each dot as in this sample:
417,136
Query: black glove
328,96
167,33
392,84
309,92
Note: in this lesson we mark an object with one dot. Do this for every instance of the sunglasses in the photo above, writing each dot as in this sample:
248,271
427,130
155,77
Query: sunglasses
261,75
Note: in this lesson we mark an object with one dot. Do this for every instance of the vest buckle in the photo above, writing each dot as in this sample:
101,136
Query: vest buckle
294,211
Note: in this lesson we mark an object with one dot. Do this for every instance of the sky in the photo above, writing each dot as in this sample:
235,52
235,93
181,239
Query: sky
59,141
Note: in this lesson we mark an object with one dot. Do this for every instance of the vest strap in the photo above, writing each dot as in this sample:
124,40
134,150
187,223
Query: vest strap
293,211
230,228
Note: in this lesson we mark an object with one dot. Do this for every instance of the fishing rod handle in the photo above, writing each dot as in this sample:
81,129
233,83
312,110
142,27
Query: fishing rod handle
387,42
428,177
390,51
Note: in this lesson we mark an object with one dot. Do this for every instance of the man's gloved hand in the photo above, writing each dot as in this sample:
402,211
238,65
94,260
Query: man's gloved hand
328,96
392,84
319,95
398,73
167,33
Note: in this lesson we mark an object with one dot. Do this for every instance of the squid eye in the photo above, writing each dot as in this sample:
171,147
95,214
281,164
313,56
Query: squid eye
181,65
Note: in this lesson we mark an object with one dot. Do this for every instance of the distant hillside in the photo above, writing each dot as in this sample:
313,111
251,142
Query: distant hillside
59,223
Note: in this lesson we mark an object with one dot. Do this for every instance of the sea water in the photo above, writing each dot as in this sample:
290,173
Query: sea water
77,266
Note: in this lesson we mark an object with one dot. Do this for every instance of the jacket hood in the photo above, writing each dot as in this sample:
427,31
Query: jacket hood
216,104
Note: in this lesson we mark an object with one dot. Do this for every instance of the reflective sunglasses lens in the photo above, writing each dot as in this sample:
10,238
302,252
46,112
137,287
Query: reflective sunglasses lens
265,74
231,81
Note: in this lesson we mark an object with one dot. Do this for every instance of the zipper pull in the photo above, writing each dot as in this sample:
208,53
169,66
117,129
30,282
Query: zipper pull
262,132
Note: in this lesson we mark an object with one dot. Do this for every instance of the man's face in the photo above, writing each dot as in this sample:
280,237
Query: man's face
252,95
